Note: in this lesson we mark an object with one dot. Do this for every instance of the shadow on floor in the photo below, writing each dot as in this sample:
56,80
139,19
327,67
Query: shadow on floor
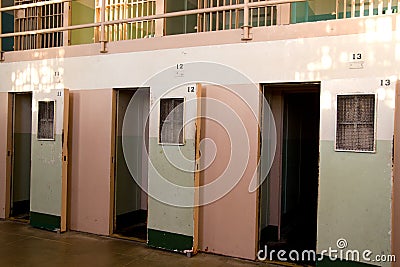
22,245
132,224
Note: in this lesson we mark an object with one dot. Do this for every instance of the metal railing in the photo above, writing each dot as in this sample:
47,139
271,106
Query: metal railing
33,15
363,8
111,27
130,19
125,9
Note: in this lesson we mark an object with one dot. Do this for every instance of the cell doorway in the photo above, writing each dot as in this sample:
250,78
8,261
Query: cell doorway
289,195
21,156
130,163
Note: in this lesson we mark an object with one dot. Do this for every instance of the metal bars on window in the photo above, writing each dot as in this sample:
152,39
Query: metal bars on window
124,9
355,125
361,8
171,121
36,18
46,110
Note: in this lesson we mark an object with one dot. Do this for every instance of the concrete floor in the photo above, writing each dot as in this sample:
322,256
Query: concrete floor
22,245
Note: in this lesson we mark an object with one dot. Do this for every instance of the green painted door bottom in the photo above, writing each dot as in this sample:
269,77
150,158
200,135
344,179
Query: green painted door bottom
169,241
45,221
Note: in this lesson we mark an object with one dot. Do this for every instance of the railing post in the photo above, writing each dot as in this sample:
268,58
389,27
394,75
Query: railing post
283,14
246,27
103,36
159,23
1,27
66,22
371,8
337,9
362,8
353,8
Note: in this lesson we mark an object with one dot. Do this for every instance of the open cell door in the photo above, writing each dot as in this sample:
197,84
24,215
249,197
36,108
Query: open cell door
49,159
174,132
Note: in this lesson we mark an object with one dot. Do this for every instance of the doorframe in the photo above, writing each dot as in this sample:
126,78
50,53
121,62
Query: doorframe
395,237
10,151
196,208
114,106
281,89
65,163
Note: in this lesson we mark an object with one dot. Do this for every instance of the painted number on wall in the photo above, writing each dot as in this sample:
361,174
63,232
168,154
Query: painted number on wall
191,89
385,82
357,56
57,76
59,93
179,71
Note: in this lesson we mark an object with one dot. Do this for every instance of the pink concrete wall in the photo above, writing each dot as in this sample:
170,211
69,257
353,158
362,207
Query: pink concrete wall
3,152
90,132
229,225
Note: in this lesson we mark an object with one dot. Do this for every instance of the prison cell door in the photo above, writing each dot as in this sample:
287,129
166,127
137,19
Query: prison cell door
49,159
173,177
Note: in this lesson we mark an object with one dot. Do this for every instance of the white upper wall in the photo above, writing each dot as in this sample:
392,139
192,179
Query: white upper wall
385,95
310,59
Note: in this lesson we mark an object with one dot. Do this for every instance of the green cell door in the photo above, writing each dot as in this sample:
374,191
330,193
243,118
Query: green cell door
174,130
49,159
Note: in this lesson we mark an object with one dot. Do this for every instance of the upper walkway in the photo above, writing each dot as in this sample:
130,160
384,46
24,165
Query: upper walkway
36,24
